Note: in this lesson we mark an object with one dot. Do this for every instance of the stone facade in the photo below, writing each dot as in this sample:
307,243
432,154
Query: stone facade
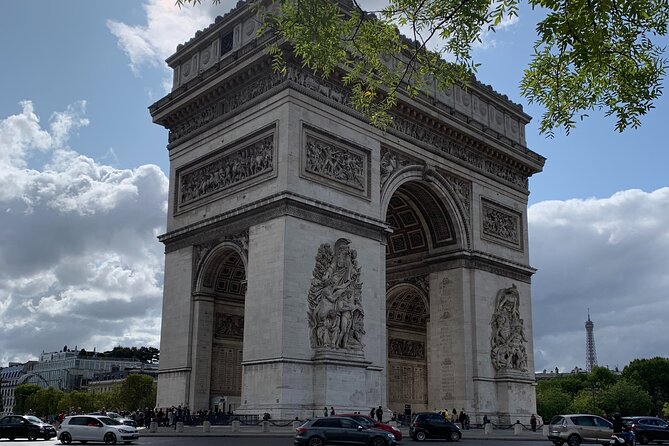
313,260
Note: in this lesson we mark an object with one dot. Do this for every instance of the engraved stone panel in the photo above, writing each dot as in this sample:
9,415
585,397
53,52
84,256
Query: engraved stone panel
406,348
226,169
501,225
335,163
226,369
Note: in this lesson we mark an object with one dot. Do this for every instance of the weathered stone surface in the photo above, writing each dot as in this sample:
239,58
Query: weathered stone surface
313,260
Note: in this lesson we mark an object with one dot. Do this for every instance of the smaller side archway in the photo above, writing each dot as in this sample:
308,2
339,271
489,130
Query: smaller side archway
219,299
407,316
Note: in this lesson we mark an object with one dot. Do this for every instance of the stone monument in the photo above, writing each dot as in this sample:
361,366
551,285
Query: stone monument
314,260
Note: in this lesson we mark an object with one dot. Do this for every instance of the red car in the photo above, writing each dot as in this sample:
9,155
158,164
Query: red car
367,421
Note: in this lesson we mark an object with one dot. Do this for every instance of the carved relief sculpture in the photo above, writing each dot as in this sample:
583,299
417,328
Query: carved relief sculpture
227,171
501,226
339,164
228,326
335,299
508,341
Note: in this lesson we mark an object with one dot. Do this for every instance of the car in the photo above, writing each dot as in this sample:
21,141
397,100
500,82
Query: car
117,417
99,428
25,426
433,425
340,430
647,429
575,429
368,421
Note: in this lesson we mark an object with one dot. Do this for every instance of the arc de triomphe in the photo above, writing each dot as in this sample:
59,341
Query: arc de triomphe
314,260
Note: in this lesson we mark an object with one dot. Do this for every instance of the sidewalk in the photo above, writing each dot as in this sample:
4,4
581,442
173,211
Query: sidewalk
257,431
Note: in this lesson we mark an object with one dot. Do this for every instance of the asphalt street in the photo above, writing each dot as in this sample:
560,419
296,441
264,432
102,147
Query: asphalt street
280,440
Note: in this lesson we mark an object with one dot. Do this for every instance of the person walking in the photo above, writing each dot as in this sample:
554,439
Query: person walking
325,411
332,412
372,413
533,423
463,419
379,414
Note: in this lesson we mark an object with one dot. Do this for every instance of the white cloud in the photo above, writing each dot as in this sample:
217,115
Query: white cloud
166,27
80,263
608,255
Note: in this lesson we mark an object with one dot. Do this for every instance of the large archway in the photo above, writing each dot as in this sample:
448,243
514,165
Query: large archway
421,229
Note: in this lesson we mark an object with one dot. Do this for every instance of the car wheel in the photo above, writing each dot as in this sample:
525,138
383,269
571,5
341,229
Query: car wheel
574,440
110,438
32,436
454,436
643,439
316,441
420,436
65,438
378,441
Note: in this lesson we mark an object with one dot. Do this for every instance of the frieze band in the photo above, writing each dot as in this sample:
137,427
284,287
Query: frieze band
303,78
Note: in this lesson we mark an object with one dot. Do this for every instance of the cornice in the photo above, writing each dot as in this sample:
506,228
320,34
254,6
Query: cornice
277,205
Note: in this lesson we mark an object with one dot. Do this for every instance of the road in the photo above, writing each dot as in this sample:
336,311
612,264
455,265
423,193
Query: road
282,440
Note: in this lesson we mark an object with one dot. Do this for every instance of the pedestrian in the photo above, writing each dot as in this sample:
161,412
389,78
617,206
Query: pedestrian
445,415
379,414
533,423
332,412
372,413
454,416
485,420
463,419
325,411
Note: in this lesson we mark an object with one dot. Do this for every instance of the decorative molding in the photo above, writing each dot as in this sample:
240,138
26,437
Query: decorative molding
228,326
449,146
422,282
508,349
406,349
335,163
335,311
202,250
225,169
501,225
219,105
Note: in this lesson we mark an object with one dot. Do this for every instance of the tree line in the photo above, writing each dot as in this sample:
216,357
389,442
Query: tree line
642,388
137,391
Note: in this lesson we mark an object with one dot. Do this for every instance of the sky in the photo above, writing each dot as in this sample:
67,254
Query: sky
83,189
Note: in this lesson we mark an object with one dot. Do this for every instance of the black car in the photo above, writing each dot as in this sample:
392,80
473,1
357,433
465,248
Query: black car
340,430
647,429
433,425
25,426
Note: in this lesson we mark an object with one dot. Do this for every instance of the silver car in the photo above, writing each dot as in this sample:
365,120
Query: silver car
575,429
100,428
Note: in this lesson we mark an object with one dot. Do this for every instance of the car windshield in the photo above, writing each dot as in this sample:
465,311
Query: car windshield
33,419
109,421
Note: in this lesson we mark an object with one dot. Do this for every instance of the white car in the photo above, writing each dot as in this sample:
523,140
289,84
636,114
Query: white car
100,428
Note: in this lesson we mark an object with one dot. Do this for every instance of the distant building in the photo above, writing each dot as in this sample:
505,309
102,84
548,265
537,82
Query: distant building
72,370
108,381
9,379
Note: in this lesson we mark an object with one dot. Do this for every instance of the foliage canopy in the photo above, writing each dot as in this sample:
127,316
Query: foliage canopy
588,54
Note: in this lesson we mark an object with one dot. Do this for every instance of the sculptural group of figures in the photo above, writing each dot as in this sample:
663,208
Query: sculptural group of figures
243,164
335,299
508,339
336,163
